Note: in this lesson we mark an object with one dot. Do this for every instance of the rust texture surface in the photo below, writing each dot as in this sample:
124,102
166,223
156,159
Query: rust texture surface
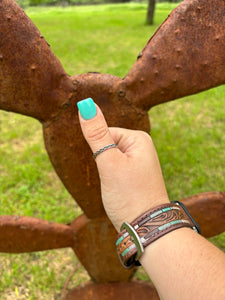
126,290
186,55
26,234
209,210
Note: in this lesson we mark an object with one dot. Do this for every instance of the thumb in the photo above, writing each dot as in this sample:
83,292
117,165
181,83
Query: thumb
95,129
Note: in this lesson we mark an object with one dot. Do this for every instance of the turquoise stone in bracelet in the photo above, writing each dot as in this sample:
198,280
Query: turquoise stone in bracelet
149,227
155,214
128,249
167,225
119,240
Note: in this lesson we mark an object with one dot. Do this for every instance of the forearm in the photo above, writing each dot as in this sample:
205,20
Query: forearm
184,265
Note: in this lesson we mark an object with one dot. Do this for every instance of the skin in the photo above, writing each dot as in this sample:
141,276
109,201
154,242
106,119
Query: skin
181,264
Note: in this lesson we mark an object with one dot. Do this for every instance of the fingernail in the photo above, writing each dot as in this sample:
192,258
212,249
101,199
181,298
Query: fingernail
87,108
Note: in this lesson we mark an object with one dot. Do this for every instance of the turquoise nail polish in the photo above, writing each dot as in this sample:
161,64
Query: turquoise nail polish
87,108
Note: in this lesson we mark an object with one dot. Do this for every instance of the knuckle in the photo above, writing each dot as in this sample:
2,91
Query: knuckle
145,135
98,134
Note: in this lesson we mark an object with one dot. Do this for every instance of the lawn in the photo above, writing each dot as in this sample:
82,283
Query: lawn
188,134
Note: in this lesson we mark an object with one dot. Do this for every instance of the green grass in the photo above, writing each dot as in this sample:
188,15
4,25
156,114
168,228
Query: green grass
102,38
188,134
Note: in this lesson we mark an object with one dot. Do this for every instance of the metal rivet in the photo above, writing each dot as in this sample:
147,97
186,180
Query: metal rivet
65,105
75,82
139,55
121,93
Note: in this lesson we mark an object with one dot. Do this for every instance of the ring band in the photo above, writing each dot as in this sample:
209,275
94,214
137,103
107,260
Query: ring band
103,149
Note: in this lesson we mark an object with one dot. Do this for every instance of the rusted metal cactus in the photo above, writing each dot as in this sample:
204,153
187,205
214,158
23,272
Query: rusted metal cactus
186,55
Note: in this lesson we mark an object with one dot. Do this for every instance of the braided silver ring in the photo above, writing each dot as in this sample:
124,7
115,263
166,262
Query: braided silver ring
103,149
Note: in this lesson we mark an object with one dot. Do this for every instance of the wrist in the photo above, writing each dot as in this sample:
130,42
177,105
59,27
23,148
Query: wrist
149,227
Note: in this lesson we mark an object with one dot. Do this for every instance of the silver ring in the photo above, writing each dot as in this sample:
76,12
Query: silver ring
103,149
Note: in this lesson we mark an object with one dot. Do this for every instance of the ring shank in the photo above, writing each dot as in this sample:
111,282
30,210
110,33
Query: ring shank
104,149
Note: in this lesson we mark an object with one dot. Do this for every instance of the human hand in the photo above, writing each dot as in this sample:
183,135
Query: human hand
130,174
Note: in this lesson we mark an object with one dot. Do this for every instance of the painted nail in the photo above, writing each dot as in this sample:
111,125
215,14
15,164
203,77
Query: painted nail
87,108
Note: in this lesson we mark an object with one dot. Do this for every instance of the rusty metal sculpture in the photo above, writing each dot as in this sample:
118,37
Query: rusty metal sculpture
33,83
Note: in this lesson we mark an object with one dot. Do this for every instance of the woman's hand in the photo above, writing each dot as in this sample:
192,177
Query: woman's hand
130,175
181,264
